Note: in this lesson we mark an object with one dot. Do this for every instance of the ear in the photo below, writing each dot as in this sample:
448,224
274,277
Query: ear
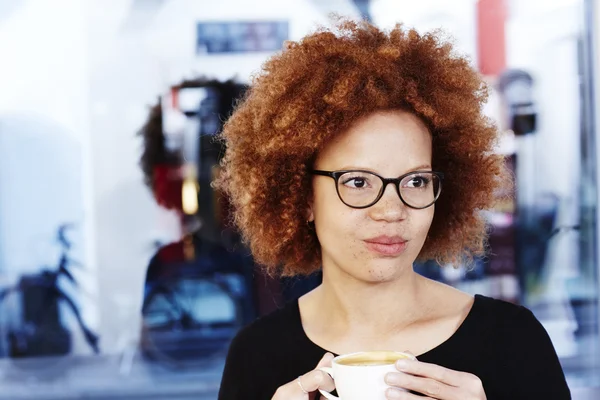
310,215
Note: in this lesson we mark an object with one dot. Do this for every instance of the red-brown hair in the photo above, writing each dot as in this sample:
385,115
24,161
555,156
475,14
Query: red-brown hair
320,86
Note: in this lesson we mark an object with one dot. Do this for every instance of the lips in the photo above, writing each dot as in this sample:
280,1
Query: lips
386,245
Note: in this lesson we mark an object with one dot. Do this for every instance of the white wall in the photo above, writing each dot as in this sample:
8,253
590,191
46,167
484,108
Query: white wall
596,50
542,39
44,132
458,18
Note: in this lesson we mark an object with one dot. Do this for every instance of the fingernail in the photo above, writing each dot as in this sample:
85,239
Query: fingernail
389,379
402,365
392,393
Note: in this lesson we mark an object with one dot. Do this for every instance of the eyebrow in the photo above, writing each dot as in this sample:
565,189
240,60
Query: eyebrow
422,167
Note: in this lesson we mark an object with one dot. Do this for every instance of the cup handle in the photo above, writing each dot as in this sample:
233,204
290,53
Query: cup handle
328,395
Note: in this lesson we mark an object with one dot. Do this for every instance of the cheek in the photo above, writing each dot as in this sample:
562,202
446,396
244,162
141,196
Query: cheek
328,210
422,222
337,225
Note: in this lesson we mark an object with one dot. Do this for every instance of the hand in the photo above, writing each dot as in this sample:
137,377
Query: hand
433,381
311,382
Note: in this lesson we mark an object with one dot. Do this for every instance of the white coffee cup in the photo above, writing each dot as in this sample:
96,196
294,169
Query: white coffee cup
360,376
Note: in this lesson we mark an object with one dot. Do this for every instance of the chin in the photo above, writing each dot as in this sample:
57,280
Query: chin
380,272
368,269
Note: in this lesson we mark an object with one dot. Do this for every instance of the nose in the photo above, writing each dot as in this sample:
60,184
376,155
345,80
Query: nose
389,208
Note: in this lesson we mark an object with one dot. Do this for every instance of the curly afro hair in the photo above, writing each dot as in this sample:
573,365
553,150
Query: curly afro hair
317,88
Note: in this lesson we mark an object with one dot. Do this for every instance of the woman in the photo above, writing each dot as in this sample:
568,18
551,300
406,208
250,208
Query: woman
335,161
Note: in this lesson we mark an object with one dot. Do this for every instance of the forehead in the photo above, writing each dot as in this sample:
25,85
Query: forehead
393,141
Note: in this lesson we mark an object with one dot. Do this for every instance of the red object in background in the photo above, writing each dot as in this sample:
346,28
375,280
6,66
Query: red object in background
168,183
172,253
175,98
491,37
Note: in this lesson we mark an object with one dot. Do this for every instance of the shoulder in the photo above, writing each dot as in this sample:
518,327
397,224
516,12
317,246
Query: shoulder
259,357
499,306
268,332
503,325
502,314
501,311
521,342
510,323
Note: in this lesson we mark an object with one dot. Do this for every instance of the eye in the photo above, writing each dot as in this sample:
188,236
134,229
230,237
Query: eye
417,182
356,181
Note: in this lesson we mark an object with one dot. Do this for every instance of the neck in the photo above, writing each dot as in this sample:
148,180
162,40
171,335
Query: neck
372,308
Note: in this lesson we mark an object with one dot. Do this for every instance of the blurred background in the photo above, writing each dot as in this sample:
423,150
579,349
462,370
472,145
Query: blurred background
119,278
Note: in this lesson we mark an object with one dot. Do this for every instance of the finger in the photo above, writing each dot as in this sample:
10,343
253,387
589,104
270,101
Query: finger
308,382
325,361
315,380
410,353
394,394
433,371
426,386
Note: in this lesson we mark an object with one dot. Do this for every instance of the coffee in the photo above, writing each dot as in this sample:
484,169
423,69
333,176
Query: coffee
371,358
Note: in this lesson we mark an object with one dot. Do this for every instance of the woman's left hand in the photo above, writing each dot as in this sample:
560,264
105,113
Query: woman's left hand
433,381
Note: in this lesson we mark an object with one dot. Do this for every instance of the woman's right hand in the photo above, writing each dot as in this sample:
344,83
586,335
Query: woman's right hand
305,386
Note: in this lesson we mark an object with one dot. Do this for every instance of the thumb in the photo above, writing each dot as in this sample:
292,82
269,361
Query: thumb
325,361
317,379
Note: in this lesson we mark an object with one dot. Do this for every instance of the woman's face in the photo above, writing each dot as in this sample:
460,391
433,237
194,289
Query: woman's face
378,243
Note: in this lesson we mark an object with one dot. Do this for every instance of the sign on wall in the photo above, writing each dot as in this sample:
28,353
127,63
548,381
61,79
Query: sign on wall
240,37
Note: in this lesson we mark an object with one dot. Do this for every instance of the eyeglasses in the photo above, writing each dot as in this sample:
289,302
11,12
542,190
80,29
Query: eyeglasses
362,189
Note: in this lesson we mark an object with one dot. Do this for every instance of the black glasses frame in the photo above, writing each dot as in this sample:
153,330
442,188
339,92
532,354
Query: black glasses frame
386,181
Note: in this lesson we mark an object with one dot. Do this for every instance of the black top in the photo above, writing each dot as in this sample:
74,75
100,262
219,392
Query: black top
501,343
